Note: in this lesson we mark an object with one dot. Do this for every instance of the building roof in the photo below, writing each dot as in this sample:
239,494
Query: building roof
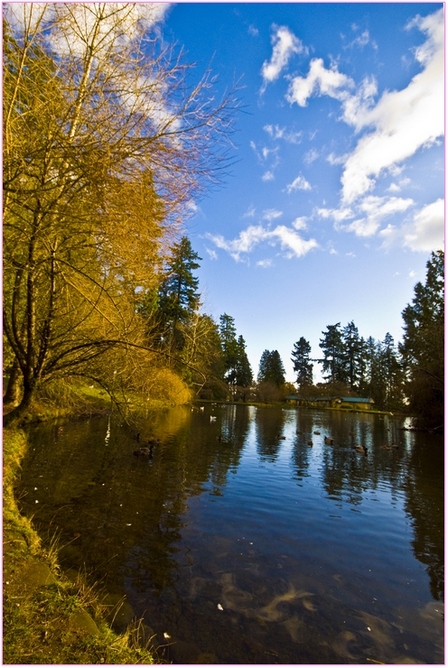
356,400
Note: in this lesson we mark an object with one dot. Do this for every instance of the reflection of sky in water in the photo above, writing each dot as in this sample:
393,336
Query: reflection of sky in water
303,548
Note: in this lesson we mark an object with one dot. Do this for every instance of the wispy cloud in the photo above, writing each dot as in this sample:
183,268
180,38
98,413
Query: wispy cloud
264,263
290,242
424,232
276,132
299,183
319,81
285,44
213,255
271,214
253,31
365,219
397,125
404,121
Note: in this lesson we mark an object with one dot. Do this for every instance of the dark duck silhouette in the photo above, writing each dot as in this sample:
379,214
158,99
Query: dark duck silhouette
144,452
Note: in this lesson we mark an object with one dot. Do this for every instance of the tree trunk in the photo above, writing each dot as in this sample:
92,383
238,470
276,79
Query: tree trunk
13,389
17,413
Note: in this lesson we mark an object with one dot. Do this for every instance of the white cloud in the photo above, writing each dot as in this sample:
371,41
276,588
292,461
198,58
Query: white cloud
310,156
319,81
252,30
276,132
213,255
300,223
357,107
404,121
299,183
268,176
397,187
285,44
288,239
271,214
337,215
250,212
368,214
264,263
425,232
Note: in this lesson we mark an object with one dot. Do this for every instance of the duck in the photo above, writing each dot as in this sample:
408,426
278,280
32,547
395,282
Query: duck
143,452
281,438
328,440
317,433
361,448
310,443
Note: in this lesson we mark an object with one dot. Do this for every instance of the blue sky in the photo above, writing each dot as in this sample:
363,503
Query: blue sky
336,197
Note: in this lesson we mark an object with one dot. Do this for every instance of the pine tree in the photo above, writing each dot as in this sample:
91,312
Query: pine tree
178,294
352,355
244,376
302,363
422,349
271,369
229,345
333,347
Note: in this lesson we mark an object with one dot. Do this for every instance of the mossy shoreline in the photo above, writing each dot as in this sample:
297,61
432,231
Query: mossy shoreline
51,616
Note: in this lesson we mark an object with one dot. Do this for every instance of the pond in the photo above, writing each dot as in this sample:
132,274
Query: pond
240,542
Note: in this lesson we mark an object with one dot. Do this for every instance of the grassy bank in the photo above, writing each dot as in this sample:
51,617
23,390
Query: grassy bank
52,617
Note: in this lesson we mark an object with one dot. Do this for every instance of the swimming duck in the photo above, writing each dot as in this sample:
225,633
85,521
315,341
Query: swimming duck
143,452
361,448
328,440
310,443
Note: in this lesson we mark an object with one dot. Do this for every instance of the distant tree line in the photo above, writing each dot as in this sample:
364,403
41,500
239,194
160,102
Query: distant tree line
405,376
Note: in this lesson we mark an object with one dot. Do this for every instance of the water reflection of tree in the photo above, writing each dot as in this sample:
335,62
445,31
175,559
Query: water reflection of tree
425,504
269,424
120,515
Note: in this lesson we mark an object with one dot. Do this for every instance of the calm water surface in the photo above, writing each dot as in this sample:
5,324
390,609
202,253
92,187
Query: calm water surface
238,542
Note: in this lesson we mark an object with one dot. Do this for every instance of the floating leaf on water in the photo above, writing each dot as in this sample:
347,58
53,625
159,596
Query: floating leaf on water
308,605
220,606
166,635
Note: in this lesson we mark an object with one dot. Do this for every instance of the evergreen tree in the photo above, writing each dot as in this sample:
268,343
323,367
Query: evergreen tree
422,349
334,355
391,373
244,376
178,293
302,363
352,356
229,345
271,369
